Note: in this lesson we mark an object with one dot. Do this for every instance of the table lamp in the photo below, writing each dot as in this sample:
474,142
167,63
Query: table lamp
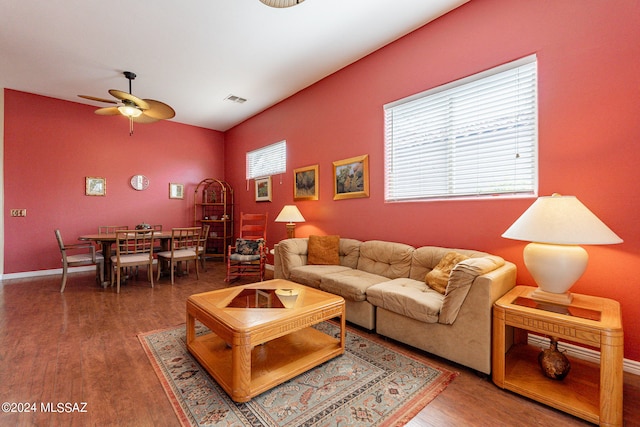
555,225
290,214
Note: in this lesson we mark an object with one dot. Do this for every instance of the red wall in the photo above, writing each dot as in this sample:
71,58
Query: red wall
50,146
589,134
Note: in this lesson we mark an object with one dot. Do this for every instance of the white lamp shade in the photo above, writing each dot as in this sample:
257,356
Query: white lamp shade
289,213
561,220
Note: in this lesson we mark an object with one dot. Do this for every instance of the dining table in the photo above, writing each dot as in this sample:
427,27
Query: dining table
106,240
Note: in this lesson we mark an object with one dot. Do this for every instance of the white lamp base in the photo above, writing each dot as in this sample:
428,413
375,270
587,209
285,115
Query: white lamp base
562,299
555,268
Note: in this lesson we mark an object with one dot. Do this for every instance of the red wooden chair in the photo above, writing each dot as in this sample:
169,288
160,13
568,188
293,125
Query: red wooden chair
248,256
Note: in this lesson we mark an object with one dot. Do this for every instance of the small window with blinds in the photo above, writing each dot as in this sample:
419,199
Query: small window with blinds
267,161
475,137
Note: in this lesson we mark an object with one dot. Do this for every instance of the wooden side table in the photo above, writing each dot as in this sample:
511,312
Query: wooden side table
589,391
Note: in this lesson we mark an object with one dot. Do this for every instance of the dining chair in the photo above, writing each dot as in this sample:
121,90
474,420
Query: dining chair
111,229
87,256
185,244
248,256
133,248
202,246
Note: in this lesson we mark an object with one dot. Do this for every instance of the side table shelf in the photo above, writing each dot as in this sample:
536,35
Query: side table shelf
590,391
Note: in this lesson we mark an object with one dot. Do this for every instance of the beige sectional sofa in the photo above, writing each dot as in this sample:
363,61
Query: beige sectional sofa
383,284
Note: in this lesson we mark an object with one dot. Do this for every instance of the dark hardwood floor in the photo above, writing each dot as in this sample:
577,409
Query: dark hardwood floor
82,347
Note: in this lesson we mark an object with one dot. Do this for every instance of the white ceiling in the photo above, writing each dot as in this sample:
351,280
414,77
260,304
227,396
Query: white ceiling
192,54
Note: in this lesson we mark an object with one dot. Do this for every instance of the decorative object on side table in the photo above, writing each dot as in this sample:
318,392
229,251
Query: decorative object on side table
555,225
143,226
553,362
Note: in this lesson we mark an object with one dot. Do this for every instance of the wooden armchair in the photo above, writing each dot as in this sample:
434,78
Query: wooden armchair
87,256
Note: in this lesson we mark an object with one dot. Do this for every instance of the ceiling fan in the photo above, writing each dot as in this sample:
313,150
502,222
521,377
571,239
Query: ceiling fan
136,109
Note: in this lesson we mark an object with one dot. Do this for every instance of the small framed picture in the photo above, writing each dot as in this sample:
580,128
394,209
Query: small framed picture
263,189
351,178
176,191
305,183
94,186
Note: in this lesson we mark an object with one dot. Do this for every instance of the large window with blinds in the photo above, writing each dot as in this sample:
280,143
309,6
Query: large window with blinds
474,137
268,160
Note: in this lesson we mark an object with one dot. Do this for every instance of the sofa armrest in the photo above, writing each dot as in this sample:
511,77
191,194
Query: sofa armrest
493,284
289,254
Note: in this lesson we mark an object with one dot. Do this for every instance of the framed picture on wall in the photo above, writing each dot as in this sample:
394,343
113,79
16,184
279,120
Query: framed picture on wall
263,189
94,186
305,183
351,178
176,191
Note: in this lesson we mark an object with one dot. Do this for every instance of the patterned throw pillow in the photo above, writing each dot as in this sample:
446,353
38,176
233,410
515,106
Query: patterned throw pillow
248,246
438,278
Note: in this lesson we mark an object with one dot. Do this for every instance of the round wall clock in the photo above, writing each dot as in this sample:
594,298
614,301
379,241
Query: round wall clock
139,182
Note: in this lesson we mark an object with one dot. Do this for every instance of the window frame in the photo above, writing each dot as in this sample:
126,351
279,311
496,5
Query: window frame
447,167
257,161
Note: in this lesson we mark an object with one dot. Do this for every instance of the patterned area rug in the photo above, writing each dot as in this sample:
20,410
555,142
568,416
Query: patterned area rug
374,383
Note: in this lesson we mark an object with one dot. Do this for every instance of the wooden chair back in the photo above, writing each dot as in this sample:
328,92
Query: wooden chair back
253,226
111,229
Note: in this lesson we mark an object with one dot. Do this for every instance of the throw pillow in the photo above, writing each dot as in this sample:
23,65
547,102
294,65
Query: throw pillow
438,278
324,250
248,246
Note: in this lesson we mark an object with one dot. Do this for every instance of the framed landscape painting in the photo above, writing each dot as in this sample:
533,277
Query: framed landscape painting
305,183
263,189
351,178
176,191
94,186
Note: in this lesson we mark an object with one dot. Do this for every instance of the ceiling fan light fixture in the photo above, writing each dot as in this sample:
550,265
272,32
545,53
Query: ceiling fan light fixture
281,3
129,111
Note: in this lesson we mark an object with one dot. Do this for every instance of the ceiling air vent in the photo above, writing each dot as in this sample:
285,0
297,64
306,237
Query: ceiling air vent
236,99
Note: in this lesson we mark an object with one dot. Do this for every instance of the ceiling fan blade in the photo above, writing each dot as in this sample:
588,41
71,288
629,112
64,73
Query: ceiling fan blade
144,118
108,111
159,110
95,98
127,96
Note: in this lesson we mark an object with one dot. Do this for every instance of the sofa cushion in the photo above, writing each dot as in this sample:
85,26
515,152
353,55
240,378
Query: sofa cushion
388,259
460,281
324,250
408,297
310,275
425,258
438,278
350,284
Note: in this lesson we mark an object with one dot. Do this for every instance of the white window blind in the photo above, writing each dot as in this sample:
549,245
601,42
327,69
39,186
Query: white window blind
474,137
268,160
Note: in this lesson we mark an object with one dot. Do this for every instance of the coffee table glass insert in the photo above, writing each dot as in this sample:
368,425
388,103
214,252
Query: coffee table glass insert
256,298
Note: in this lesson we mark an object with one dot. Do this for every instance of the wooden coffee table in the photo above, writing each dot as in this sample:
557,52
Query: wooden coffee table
255,343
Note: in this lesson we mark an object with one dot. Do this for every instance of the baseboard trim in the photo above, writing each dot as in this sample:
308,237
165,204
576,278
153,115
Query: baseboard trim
582,353
52,272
